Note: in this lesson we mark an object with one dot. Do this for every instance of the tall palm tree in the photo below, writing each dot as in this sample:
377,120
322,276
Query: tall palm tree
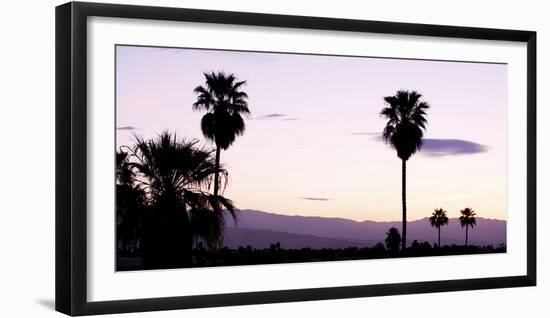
438,219
224,102
467,219
406,116
175,175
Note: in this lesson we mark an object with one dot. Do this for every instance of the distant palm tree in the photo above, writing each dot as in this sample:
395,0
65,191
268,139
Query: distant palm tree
224,103
438,219
467,219
406,116
393,240
174,175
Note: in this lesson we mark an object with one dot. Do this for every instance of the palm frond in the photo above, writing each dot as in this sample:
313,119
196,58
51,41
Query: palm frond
208,126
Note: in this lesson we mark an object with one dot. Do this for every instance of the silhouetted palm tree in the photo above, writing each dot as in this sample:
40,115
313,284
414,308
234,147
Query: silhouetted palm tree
130,207
124,173
224,103
467,219
393,239
174,175
404,130
438,219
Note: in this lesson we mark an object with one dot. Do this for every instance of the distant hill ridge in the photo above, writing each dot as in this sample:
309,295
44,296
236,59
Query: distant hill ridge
259,229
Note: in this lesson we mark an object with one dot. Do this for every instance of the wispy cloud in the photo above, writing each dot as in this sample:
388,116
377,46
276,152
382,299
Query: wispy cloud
126,128
272,116
448,147
365,133
276,116
436,147
314,199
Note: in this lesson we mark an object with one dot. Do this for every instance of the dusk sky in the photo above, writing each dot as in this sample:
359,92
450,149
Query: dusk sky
312,144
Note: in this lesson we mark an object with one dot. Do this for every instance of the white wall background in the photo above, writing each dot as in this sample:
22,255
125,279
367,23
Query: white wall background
27,158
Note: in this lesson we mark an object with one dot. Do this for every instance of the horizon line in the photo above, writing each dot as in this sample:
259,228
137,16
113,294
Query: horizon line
359,221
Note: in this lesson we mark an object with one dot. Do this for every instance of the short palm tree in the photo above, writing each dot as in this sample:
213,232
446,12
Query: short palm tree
130,206
224,102
437,220
406,116
175,175
124,174
467,219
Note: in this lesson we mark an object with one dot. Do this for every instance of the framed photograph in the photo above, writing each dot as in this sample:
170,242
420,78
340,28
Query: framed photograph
208,158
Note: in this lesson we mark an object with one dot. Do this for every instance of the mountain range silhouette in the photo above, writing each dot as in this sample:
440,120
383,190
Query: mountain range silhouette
261,229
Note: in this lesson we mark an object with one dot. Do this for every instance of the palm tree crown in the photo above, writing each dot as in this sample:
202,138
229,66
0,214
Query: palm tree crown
168,166
124,173
406,116
467,218
224,102
437,220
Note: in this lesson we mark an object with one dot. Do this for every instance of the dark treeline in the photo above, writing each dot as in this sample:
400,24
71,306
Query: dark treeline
275,254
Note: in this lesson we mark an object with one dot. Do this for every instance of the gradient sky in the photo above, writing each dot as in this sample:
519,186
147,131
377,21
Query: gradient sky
312,144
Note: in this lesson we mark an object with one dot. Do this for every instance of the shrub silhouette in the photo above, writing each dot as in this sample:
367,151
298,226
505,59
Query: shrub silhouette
393,240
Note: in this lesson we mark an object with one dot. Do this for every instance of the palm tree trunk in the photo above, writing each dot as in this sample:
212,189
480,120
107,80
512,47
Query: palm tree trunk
404,202
466,235
439,236
216,175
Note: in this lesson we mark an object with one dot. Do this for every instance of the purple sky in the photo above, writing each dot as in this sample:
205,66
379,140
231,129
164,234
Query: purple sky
312,144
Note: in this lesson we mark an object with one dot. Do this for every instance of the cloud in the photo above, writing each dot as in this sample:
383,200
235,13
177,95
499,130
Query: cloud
448,147
272,116
126,128
365,133
314,199
277,116
434,147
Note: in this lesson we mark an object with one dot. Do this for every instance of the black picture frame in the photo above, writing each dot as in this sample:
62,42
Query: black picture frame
71,157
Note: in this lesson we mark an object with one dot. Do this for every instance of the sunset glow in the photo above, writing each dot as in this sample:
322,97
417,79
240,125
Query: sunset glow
313,145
